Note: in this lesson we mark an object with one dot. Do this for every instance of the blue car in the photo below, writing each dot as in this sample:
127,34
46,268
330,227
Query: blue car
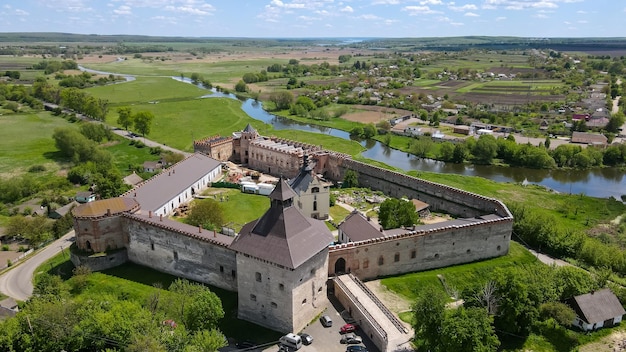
356,348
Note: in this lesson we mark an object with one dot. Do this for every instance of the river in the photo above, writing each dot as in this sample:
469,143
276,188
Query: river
600,183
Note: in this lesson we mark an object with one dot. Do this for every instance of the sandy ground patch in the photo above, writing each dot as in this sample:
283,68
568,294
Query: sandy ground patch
373,114
395,303
616,342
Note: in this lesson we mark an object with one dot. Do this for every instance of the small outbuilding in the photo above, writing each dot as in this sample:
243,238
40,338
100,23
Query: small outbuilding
8,307
85,197
596,310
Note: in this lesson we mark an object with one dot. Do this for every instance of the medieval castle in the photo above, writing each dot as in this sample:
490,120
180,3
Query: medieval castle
280,263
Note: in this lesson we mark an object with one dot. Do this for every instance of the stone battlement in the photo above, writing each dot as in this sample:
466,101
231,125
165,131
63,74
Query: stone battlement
212,141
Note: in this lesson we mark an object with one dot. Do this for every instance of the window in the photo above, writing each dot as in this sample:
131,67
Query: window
413,254
315,190
315,205
304,301
258,276
233,273
396,257
221,268
437,256
175,255
281,287
381,260
274,305
366,264
253,298
152,245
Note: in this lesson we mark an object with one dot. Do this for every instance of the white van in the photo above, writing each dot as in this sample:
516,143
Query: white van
291,340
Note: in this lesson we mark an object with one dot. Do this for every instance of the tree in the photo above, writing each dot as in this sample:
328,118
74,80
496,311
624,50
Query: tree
206,213
143,122
125,117
369,130
561,313
282,100
395,212
468,330
428,316
206,340
241,87
486,149
350,179
205,310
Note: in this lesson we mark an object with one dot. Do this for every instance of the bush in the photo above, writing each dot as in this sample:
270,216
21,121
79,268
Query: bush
37,168
5,248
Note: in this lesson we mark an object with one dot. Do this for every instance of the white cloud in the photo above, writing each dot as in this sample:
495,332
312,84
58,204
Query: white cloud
457,24
466,7
20,12
369,17
540,15
202,10
584,12
123,10
471,14
501,18
431,2
419,10
385,2
347,9
583,21
68,5
308,18
523,4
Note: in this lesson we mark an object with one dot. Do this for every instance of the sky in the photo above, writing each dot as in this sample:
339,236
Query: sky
318,18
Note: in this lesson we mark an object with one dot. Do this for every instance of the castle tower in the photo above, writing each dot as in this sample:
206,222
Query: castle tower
282,265
247,135
312,192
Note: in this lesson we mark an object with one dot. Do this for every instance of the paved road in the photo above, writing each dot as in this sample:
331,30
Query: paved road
17,282
148,142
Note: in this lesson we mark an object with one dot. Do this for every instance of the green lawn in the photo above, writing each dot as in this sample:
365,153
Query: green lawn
242,208
458,276
26,140
125,155
146,89
577,212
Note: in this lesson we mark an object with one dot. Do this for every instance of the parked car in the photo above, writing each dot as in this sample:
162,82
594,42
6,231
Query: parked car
306,338
347,328
244,344
356,348
326,321
351,338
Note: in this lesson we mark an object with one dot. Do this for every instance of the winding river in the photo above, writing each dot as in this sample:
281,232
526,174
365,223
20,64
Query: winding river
601,183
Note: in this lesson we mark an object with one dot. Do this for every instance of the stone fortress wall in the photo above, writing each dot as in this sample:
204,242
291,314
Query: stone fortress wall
217,147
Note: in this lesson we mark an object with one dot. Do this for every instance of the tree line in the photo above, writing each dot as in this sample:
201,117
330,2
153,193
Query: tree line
68,315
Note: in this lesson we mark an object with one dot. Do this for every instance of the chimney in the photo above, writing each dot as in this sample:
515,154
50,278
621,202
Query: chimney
108,212
150,213
174,171
214,233
161,217
135,194
169,173
199,228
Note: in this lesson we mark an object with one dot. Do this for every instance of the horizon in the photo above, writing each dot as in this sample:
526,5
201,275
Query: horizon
321,19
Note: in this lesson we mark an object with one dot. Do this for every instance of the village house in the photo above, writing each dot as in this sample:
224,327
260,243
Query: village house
596,310
589,138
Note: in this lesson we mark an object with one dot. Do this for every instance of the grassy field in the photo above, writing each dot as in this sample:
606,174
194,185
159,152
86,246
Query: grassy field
512,87
573,211
226,70
26,140
240,208
459,276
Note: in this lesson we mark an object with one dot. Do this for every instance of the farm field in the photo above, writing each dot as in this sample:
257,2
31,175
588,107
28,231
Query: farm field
26,140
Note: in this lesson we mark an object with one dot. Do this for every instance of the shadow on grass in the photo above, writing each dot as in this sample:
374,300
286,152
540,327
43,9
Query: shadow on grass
232,327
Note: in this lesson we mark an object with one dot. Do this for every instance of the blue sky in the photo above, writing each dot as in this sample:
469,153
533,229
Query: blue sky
318,18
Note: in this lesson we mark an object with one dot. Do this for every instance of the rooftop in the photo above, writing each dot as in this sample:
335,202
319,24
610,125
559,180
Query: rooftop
156,191
104,206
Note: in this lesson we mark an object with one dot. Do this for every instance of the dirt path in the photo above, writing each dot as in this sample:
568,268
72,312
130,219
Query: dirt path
616,342
395,303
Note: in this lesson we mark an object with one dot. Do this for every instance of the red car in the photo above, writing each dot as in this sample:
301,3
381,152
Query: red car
347,328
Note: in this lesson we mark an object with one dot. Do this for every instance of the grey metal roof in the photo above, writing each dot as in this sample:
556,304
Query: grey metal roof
156,191
357,228
189,230
597,306
249,129
283,235
282,191
301,182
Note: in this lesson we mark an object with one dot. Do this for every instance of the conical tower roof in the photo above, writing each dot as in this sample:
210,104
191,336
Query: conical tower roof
283,235
249,129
